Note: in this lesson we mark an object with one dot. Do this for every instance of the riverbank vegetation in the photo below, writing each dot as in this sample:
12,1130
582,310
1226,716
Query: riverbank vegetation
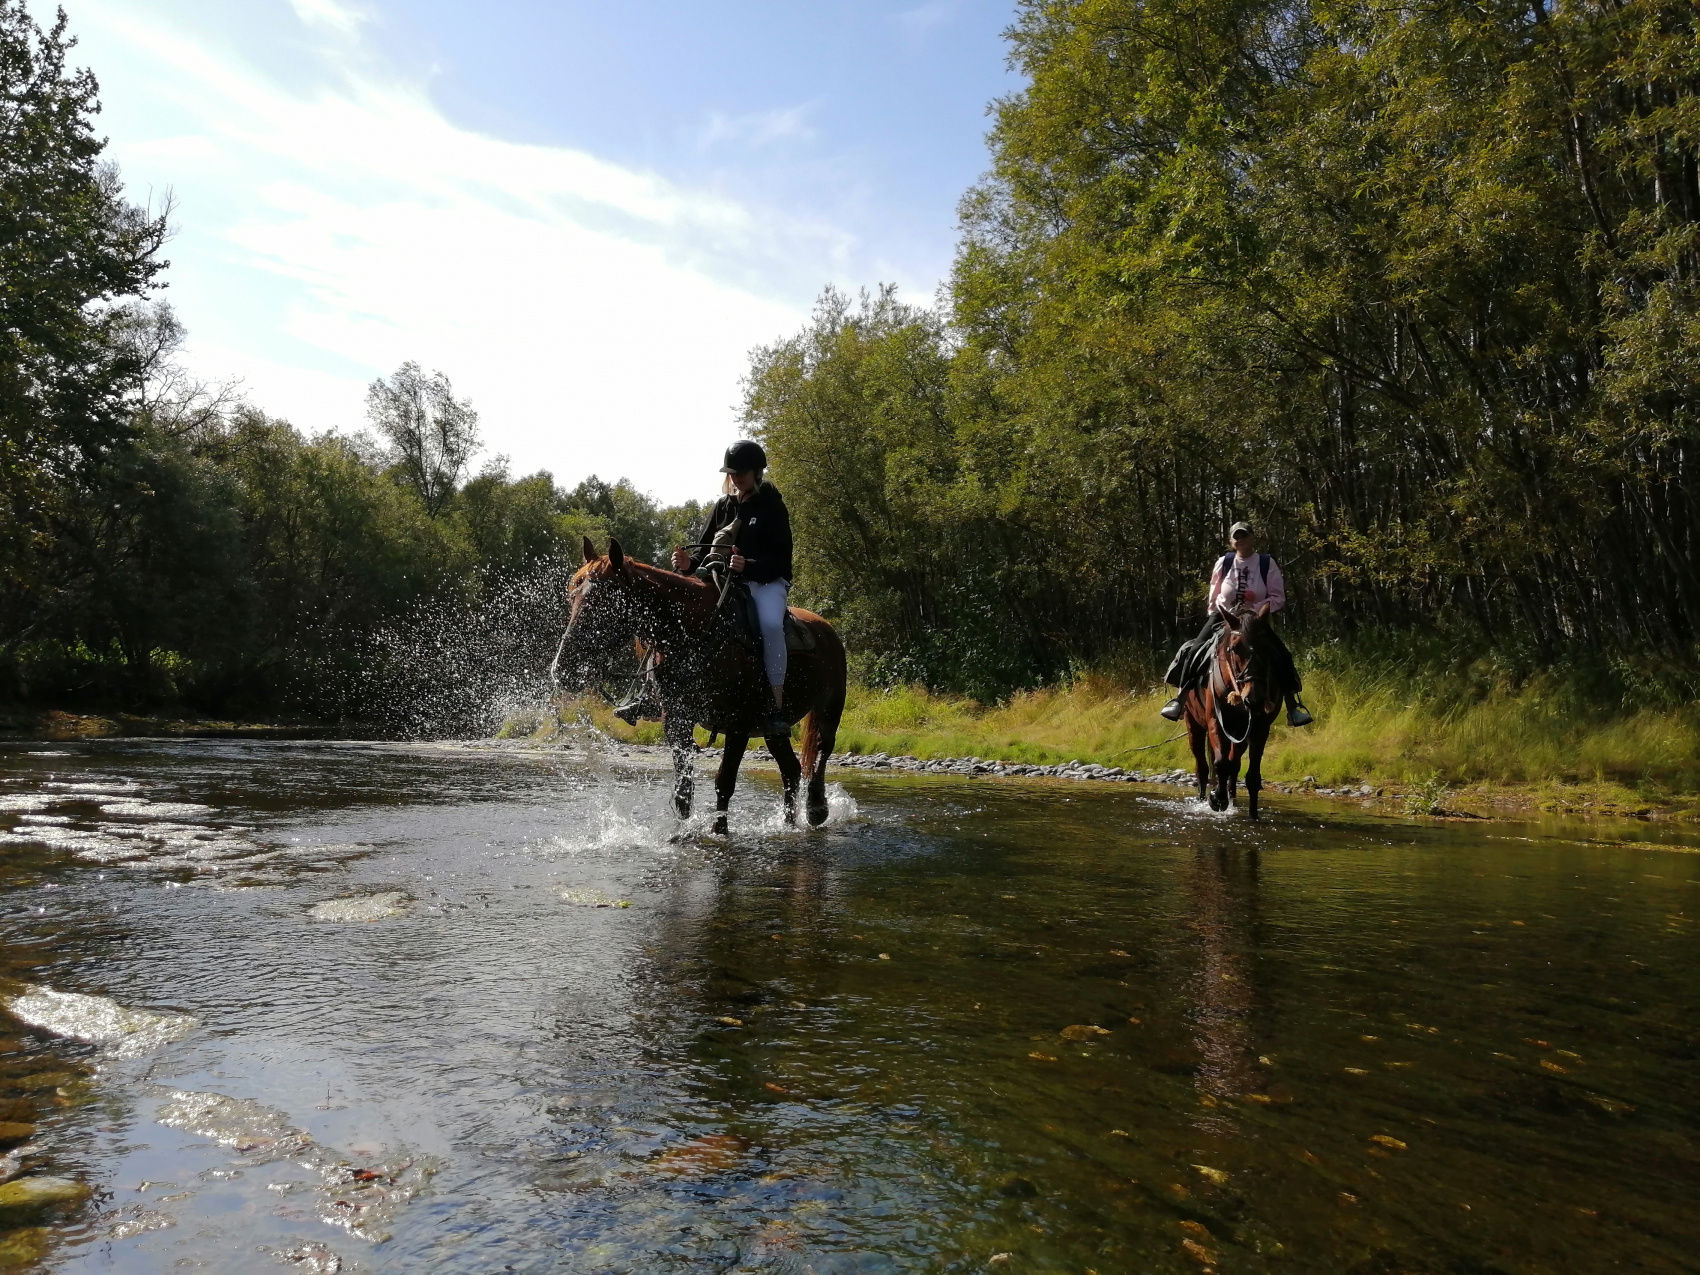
164,542
1416,289
1543,743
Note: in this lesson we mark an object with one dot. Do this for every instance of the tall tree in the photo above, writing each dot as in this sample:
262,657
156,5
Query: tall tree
431,434
72,248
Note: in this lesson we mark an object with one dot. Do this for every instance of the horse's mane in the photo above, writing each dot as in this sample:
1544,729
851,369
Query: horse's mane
686,591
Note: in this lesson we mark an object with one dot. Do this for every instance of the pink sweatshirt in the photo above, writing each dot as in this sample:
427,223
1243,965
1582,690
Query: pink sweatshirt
1239,588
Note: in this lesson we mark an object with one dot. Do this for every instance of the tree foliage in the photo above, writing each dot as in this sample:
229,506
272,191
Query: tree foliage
72,248
1413,287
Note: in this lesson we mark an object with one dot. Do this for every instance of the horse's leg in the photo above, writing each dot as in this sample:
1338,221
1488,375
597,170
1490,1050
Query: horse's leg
1218,773
1195,735
790,771
726,778
684,782
1254,766
820,735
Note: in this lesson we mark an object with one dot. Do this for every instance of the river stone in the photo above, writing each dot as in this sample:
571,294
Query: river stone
14,1131
362,907
591,898
97,1020
24,1247
39,1193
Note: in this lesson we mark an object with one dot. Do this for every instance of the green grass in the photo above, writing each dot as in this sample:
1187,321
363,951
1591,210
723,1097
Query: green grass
1435,737
1382,730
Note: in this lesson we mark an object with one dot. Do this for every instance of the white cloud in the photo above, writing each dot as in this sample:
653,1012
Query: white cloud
341,18
757,128
599,317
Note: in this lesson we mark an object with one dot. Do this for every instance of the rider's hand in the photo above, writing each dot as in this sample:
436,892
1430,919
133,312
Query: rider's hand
681,560
738,560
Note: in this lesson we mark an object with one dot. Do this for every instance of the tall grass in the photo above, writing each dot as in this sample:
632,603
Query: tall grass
1385,727
1381,728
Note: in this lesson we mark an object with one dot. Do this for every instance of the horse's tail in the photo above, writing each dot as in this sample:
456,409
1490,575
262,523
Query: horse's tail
820,728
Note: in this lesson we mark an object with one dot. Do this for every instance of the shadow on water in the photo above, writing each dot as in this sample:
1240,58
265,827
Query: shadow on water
467,1010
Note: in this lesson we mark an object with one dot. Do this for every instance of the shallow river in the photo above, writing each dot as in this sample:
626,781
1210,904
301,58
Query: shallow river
310,1007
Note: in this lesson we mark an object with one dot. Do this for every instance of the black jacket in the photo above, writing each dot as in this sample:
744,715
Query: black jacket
765,540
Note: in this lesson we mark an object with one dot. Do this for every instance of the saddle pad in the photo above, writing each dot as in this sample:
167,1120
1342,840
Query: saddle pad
797,638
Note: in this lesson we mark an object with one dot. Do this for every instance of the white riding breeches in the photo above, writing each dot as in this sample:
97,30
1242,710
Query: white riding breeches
770,610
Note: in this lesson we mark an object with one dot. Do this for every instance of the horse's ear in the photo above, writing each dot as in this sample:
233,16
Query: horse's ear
616,555
1263,611
589,549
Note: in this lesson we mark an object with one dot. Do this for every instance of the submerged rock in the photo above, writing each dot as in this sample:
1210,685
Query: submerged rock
592,898
361,1198
362,907
239,1123
315,1258
702,1157
40,1193
136,1220
97,1020
24,1247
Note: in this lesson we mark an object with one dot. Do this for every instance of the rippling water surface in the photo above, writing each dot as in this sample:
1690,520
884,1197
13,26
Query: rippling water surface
306,1006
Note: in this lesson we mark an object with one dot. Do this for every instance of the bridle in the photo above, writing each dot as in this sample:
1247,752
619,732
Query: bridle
1222,671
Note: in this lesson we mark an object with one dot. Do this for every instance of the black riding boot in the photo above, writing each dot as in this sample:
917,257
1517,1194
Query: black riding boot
777,722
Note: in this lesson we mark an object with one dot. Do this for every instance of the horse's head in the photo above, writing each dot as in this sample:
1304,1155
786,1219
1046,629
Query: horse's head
1247,659
604,612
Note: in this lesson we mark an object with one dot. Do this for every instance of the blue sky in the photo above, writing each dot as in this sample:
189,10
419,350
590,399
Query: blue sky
586,214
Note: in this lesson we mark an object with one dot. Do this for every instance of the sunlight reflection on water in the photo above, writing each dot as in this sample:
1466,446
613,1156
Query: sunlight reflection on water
462,1008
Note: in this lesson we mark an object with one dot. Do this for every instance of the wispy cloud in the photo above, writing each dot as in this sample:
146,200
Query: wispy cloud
599,316
332,15
920,22
757,128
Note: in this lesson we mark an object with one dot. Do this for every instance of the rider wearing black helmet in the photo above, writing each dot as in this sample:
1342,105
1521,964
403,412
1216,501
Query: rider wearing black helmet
754,527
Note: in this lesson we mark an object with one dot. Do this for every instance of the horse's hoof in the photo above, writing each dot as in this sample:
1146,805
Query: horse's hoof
720,825
818,813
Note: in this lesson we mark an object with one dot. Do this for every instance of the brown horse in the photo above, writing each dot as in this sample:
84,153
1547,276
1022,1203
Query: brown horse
1228,716
705,674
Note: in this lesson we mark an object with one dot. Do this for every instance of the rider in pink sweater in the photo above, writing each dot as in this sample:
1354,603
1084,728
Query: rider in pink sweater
1241,582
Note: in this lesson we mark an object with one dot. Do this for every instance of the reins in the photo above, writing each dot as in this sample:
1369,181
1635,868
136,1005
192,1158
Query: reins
1217,698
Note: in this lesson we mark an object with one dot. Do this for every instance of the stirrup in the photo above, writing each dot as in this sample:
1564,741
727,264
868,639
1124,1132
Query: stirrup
1298,714
1172,710
628,712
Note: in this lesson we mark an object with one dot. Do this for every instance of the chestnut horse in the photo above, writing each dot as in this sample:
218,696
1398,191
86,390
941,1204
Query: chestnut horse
1228,716
704,673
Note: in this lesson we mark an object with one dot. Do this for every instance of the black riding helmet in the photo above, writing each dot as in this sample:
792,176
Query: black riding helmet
744,455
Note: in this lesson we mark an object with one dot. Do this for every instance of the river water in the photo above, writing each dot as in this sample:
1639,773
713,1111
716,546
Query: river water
408,1008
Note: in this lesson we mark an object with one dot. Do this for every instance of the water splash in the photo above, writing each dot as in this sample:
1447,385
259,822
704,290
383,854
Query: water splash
453,667
616,819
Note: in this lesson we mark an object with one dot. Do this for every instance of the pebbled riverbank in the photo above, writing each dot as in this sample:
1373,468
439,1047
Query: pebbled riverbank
1074,769
1429,801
